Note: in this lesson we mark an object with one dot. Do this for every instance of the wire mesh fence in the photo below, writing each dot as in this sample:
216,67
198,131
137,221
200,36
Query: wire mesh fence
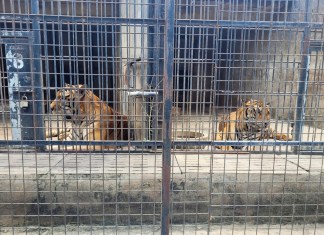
161,116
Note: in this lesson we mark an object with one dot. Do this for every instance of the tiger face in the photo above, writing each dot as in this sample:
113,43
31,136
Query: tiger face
67,101
256,114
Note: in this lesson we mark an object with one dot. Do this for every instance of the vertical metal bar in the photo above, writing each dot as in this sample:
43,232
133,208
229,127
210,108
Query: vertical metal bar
303,81
167,100
38,80
150,71
155,68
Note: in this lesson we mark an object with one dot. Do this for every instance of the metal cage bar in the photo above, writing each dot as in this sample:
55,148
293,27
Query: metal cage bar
302,86
167,100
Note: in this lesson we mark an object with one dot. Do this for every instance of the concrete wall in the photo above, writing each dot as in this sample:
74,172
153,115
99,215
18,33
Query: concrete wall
111,199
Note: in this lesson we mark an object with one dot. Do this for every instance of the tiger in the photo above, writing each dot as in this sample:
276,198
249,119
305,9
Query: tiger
249,122
91,118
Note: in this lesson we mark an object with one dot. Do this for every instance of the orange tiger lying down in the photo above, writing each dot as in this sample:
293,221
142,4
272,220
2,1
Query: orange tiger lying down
91,118
249,122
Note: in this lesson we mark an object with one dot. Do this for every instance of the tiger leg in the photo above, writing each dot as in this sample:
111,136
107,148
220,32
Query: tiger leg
53,133
101,134
98,134
91,133
66,134
61,134
285,137
223,136
278,136
251,148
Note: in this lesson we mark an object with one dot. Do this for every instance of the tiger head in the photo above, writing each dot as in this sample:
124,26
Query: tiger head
67,100
256,111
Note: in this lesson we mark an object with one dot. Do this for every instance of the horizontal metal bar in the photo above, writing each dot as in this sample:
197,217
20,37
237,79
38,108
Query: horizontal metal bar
37,143
80,19
160,143
10,34
179,22
316,46
249,24
250,143
142,93
22,90
252,92
255,143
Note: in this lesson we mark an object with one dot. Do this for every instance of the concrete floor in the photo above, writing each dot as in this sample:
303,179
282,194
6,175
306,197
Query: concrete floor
185,127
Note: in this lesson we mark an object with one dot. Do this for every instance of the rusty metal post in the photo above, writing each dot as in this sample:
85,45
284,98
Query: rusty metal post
37,85
303,80
167,101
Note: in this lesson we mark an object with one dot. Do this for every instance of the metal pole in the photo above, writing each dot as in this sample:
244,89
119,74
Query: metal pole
167,100
37,78
303,81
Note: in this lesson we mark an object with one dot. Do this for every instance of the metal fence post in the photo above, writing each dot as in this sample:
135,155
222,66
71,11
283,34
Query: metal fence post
167,101
303,81
38,80
155,45
25,101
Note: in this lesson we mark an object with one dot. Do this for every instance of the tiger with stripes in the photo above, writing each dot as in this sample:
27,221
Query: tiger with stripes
249,122
92,119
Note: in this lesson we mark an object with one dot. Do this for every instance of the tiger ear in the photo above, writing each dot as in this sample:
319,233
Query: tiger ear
268,104
67,85
81,90
243,101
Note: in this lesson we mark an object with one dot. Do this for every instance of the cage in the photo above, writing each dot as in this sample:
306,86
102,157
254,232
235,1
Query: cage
161,116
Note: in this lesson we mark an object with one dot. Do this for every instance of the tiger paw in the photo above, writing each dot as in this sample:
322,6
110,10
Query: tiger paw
284,137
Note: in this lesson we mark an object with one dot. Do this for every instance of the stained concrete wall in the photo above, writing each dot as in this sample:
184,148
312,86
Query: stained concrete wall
51,190
52,200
